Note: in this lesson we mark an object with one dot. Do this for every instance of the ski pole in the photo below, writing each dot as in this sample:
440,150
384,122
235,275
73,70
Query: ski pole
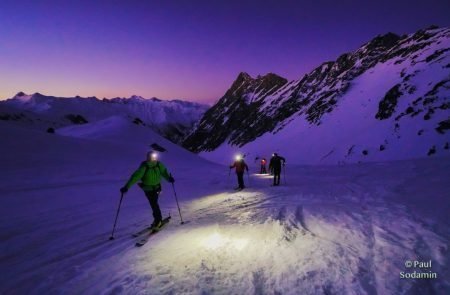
176,199
248,175
284,172
117,215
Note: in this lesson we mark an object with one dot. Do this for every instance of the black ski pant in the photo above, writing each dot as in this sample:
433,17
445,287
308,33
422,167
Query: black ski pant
263,169
276,176
152,197
240,177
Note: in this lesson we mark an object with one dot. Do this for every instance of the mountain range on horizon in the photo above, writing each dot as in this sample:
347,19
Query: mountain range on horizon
25,97
170,118
387,100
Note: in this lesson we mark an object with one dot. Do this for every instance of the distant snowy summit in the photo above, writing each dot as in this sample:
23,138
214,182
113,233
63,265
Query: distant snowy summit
170,118
388,99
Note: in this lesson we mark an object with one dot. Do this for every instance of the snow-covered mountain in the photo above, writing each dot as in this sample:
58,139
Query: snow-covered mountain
387,100
172,119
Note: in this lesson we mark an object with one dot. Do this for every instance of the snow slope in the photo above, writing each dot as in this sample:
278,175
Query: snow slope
116,129
170,118
351,129
330,230
387,100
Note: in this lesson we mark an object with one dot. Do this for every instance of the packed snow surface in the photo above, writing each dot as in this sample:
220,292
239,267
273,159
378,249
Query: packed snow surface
326,230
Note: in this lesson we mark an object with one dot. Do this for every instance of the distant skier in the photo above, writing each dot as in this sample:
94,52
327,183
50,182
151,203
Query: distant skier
149,173
263,166
240,166
275,164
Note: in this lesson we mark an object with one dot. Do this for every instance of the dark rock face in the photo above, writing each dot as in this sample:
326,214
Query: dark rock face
252,107
76,119
138,121
432,151
12,117
437,54
443,126
432,102
237,114
157,147
387,105
385,41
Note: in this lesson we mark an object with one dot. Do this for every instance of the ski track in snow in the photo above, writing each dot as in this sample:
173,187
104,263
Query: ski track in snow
329,230
337,234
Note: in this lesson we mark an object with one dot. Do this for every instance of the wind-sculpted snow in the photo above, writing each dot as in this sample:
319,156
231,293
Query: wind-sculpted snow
327,229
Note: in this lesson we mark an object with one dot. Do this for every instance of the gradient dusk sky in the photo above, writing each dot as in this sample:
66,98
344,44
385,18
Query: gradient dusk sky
185,49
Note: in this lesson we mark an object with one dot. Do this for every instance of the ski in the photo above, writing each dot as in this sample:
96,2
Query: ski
142,231
144,240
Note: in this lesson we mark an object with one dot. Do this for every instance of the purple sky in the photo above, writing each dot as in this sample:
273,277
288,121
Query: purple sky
185,49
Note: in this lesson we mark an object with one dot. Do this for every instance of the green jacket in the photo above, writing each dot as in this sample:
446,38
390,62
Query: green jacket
150,175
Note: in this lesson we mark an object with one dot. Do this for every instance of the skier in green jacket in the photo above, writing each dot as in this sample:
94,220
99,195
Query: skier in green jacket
149,173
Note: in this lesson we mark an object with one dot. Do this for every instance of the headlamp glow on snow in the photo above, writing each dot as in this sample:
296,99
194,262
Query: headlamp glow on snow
216,241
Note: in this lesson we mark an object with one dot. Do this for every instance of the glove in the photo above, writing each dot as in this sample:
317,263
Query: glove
171,179
123,190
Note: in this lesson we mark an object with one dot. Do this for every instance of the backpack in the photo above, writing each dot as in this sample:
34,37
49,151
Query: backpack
147,168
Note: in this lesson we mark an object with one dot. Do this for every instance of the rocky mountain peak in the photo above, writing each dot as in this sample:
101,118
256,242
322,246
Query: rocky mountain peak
20,94
38,95
272,78
245,84
385,41
243,76
241,79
